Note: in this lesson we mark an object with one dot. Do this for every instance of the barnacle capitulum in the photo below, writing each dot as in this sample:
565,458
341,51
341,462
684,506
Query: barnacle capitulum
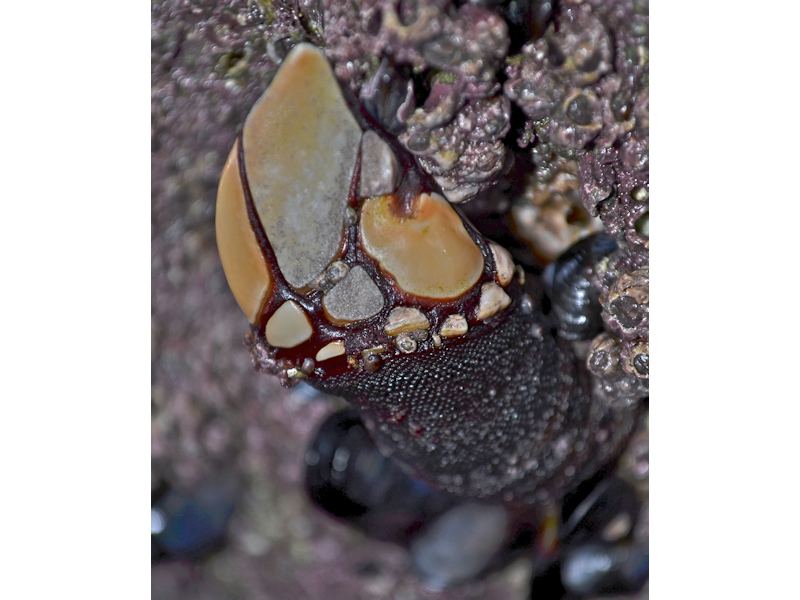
350,243
383,293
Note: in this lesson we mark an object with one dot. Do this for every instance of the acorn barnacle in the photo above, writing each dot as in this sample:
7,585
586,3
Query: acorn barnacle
358,275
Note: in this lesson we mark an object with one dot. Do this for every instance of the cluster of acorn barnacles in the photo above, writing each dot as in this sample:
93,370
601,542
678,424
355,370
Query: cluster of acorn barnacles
340,272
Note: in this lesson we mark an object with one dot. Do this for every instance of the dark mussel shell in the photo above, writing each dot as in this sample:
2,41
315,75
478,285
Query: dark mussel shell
568,283
348,477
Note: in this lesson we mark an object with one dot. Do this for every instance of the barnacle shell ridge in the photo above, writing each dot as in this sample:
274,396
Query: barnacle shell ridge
503,264
354,298
379,167
288,326
300,148
330,350
493,300
403,319
429,253
239,252
454,326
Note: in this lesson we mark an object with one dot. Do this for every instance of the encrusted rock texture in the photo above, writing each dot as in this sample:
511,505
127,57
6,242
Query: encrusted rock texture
471,89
